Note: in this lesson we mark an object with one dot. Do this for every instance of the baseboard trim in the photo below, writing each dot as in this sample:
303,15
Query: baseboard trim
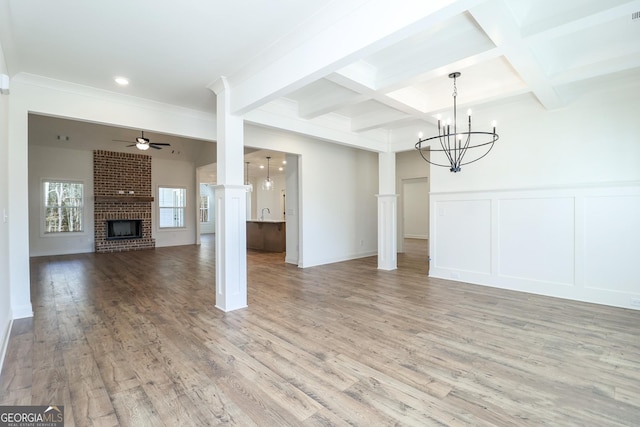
22,312
416,236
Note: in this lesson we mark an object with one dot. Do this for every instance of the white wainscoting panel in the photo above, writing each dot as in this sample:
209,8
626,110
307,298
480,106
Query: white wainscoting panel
580,243
537,239
463,235
612,244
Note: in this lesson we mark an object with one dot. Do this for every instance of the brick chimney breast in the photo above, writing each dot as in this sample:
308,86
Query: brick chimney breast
122,190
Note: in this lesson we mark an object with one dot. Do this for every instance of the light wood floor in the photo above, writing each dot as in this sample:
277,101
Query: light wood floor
134,339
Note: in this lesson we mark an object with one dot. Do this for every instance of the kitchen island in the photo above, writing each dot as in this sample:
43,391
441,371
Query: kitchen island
268,236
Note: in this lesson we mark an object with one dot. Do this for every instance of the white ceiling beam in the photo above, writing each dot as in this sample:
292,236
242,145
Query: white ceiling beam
601,68
352,83
361,79
362,31
423,72
499,24
361,85
282,114
479,103
326,102
357,80
379,119
363,73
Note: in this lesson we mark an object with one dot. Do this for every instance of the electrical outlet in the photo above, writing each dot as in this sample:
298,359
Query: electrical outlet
635,302
361,242
455,275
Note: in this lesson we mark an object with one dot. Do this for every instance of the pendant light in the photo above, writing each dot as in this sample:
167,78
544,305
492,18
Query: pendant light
246,181
268,182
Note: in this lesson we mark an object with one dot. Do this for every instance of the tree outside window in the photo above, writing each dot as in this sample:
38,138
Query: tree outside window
63,206
172,203
204,209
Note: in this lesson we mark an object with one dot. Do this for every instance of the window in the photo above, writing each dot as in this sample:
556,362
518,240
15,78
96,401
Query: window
63,206
204,209
172,202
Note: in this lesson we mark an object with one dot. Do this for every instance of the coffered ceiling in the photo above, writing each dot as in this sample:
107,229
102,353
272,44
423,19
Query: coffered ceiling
375,71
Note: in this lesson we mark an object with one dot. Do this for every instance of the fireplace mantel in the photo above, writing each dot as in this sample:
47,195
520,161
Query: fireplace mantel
124,199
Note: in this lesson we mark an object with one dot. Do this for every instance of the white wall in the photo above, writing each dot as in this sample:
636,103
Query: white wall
592,140
555,206
63,164
5,292
59,163
175,173
337,196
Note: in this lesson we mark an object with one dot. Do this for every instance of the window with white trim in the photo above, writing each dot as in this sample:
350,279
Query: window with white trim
172,203
63,204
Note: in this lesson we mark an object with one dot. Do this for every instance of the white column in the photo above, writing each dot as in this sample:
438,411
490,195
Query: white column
387,212
231,247
18,208
230,194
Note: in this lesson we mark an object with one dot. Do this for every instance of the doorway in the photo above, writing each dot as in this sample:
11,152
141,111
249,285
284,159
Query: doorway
415,217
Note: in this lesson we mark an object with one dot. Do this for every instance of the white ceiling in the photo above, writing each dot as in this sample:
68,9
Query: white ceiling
170,51
540,51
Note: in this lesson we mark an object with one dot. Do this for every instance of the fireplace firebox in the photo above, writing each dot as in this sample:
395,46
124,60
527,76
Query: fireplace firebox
119,229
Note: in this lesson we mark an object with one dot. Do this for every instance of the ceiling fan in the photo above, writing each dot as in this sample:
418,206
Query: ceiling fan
143,143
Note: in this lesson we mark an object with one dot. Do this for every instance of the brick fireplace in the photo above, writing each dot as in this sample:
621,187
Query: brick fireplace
122,189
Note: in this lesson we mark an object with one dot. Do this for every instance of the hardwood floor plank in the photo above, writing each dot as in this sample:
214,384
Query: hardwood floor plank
134,408
134,339
20,377
326,418
116,371
218,408
50,385
15,397
389,391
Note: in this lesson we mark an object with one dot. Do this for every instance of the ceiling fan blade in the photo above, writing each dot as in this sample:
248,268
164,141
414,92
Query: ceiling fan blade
132,145
154,146
160,143
122,140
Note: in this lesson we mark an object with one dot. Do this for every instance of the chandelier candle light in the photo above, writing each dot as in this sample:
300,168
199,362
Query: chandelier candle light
456,144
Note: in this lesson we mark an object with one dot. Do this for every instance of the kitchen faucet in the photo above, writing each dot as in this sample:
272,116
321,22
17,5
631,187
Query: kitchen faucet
262,214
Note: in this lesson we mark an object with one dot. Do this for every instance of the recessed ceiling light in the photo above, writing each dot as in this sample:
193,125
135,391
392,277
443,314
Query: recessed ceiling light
284,162
122,81
261,166
281,168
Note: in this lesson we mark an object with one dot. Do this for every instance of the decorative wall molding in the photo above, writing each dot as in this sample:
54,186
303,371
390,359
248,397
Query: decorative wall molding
580,243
